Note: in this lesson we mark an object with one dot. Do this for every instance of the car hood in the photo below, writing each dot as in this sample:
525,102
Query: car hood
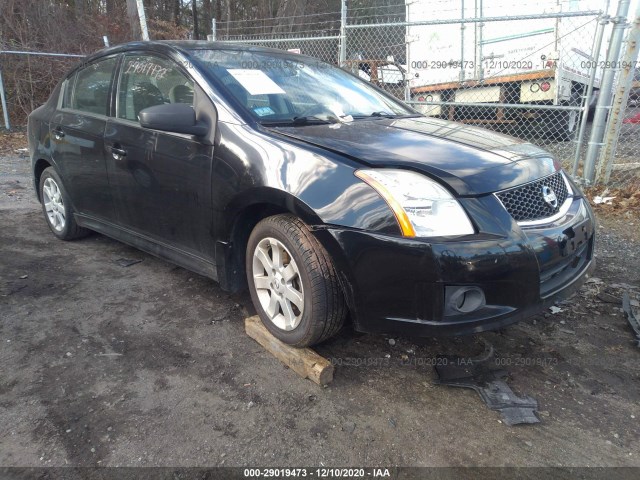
471,160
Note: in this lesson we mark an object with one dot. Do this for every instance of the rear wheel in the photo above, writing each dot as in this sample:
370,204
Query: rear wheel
292,281
57,207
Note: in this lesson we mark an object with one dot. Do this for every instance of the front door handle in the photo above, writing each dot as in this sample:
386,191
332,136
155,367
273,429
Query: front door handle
58,134
118,153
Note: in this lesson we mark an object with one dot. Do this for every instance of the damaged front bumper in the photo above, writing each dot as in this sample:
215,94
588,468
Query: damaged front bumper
415,287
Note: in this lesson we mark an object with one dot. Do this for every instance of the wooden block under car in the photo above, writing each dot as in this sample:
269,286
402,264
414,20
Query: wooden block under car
304,361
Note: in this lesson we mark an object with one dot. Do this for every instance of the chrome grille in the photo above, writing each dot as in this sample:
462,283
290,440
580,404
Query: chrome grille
527,203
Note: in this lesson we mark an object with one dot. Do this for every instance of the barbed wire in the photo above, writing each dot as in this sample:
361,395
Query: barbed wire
258,27
281,18
372,7
278,35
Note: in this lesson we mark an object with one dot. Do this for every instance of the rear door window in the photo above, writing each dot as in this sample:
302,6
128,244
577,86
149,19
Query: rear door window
91,90
147,81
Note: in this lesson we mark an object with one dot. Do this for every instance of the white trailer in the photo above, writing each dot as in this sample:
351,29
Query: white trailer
529,61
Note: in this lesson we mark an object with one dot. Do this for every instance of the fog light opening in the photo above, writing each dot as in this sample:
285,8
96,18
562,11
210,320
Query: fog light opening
467,299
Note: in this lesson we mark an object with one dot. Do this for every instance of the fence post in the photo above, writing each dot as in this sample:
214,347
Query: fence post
606,91
462,27
595,57
478,39
343,33
407,54
625,79
143,20
5,112
213,29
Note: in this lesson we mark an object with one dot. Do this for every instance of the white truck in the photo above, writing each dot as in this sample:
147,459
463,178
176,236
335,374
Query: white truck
457,68
535,61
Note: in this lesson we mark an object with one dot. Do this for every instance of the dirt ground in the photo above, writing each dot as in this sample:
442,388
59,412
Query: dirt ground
148,365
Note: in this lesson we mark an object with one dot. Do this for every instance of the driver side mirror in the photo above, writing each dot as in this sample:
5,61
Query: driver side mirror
173,117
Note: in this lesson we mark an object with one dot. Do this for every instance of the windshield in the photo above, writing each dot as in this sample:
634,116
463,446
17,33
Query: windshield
281,89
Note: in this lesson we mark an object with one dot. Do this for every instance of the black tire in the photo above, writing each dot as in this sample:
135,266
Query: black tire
71,230
324,306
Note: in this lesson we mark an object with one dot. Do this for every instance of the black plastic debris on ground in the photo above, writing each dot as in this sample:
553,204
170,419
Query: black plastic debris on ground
631,317
494,391
127,262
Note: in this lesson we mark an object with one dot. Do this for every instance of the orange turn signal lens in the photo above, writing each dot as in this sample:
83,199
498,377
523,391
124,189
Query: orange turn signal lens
401,216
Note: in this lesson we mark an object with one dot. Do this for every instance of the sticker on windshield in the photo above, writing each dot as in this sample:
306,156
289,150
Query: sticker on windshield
263,111
256,82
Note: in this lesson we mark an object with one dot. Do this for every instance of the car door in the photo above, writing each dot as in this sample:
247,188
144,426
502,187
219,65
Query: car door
161,180
77,137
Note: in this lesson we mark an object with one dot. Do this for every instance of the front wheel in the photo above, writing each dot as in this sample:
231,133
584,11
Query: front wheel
293,283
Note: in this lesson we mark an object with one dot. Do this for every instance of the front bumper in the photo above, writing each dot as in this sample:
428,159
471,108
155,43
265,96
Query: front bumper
398,285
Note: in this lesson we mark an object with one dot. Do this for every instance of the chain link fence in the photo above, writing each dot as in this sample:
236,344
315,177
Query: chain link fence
375,46
625,168
323,48
314,35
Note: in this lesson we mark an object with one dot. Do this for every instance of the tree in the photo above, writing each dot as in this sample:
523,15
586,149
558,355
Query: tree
206,16
194,9
134,20
177,7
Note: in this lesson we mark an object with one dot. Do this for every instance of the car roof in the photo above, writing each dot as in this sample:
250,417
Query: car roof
185,46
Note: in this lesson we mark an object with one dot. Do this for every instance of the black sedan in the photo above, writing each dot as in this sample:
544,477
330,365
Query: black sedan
325,196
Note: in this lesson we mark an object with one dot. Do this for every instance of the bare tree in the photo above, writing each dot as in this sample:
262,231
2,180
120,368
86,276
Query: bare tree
134,20
177,7
194,10
206,16
218,10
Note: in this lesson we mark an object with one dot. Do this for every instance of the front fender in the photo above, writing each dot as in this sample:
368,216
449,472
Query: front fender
316,185
255,175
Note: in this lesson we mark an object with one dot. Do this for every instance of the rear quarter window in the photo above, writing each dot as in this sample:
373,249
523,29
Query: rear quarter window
66,92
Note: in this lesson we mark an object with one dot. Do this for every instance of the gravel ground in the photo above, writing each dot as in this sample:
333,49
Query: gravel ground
149,365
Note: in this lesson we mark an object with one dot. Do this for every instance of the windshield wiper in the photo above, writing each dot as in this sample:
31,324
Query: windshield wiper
309,119
383,114
299,121
387,115
380,114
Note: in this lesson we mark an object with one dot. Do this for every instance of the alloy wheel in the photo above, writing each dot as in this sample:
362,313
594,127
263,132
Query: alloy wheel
278,285
53,204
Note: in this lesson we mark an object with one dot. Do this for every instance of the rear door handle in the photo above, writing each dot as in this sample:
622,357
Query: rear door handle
118,153
58,134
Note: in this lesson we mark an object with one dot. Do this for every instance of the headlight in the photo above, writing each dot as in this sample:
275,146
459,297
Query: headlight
422,207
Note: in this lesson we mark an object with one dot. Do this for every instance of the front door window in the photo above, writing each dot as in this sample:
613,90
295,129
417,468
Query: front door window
148,81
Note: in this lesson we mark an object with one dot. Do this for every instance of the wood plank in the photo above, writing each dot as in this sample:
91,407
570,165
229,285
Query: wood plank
304,361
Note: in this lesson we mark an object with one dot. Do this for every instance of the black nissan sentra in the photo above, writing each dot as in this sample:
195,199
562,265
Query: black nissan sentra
324,196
